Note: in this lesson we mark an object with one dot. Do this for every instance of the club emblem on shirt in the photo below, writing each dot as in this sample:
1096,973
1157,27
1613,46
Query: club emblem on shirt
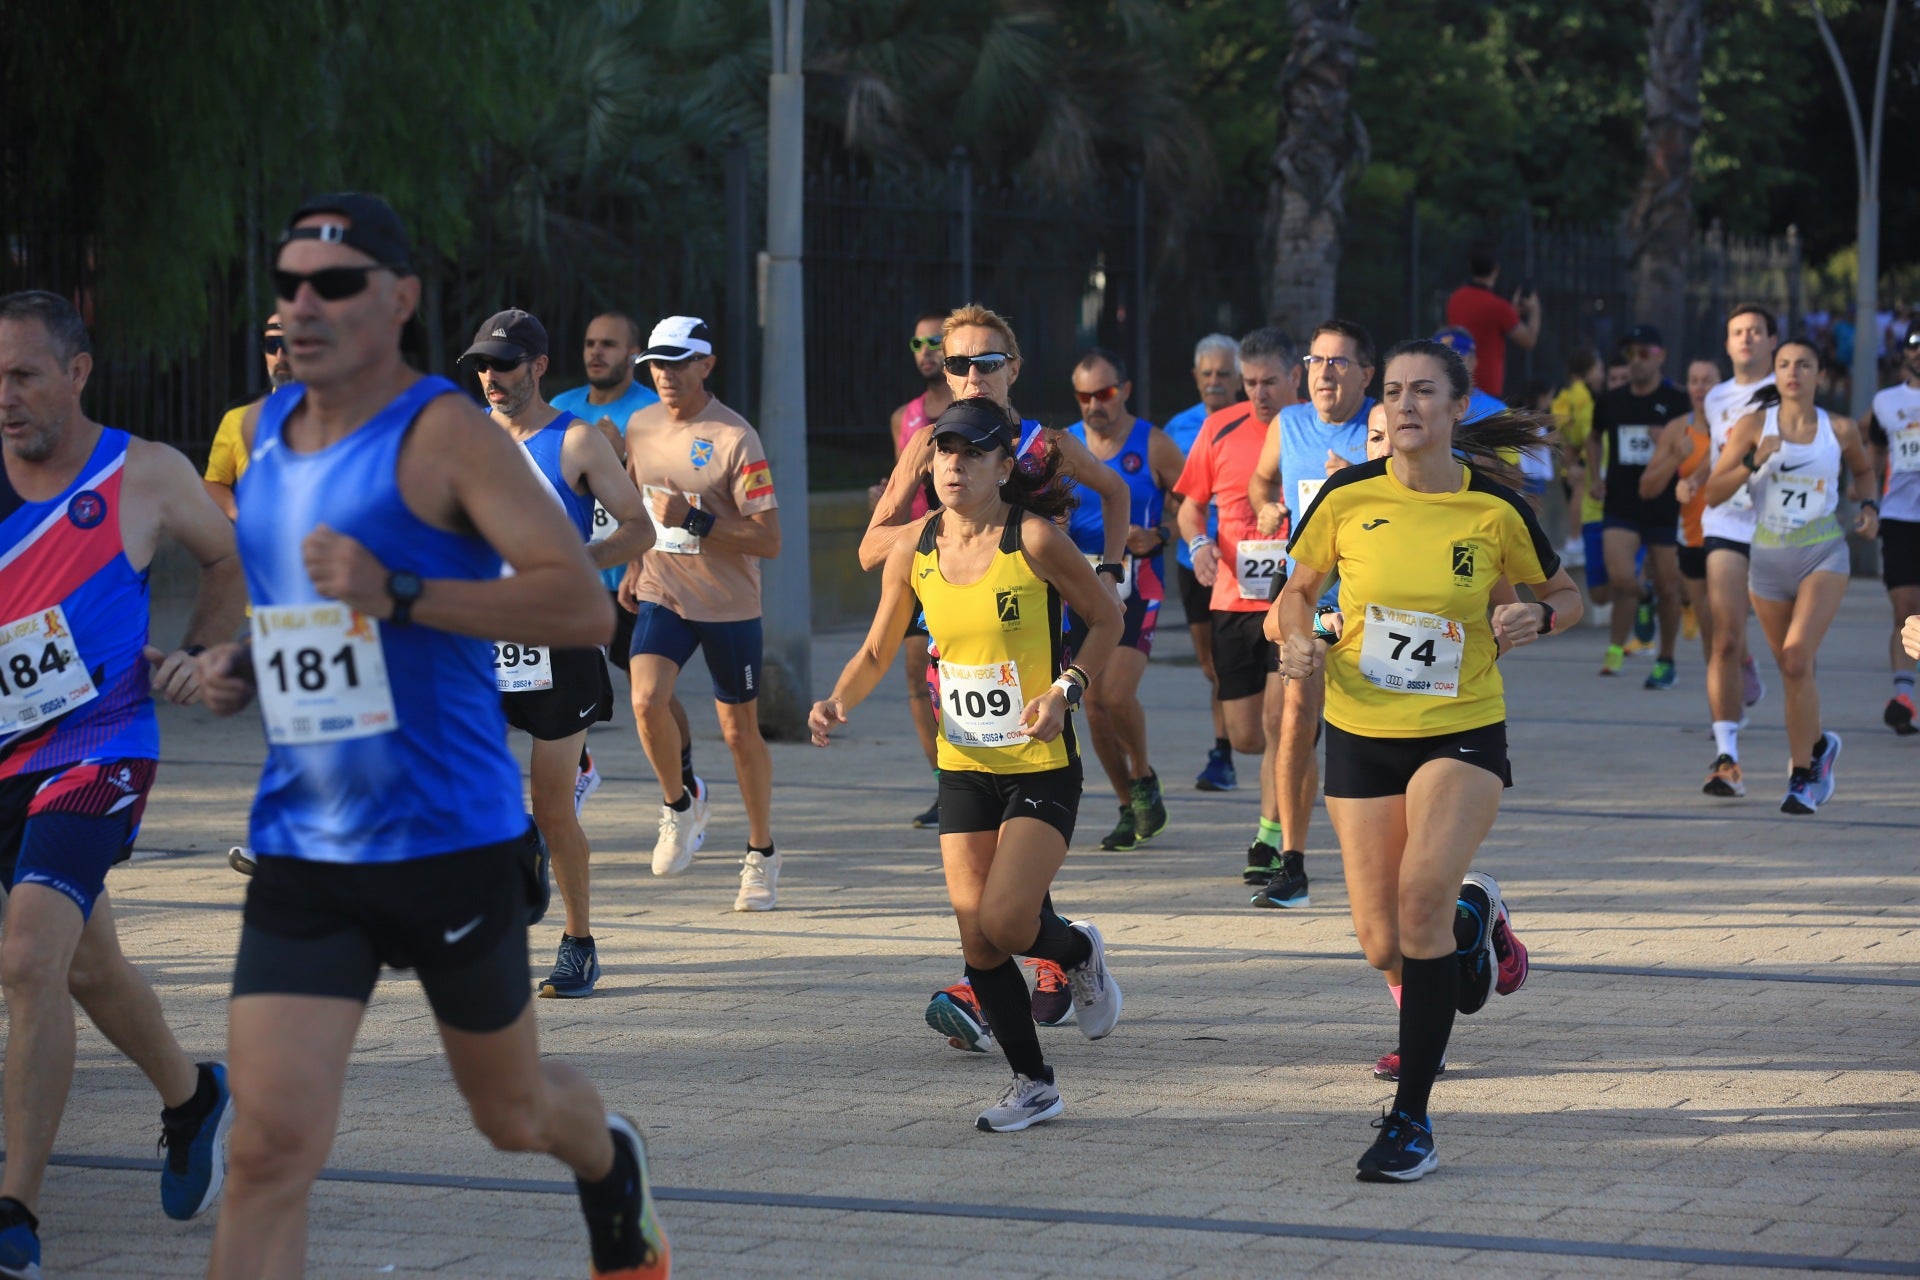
1463,563
87,509
1130,463
701,453
1008,602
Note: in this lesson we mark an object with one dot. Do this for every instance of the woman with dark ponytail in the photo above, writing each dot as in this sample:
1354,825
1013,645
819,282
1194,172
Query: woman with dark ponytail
1416,715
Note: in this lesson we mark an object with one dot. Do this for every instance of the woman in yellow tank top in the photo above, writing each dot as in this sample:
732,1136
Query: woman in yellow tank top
990,569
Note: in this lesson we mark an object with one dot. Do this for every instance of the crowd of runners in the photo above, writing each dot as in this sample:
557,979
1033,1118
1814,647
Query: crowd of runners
398,578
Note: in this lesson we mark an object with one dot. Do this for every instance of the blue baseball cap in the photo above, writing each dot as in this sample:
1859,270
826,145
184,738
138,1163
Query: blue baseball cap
1457,338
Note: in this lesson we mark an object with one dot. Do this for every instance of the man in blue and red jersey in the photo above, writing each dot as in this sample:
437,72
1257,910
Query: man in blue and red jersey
83,509
1149,463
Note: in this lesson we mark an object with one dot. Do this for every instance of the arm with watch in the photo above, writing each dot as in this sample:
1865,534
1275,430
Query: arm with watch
754,535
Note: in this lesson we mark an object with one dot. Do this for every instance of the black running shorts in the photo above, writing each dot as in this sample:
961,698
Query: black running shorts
459,920
1243,657
1195,600
1900,553
582,695
1693,562
1742,549
623,621
1362,768
973,800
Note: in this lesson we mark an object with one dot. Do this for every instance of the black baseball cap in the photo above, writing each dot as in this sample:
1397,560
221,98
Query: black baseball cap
512,334
1643,335
982,424
372,227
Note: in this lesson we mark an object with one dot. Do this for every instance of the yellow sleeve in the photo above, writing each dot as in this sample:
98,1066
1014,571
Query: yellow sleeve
1527,556
228,458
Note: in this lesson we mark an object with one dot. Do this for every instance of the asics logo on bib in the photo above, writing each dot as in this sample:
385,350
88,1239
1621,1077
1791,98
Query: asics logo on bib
1375,524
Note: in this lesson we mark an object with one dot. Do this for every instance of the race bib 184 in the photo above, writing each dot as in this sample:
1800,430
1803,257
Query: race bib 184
321,673
41,675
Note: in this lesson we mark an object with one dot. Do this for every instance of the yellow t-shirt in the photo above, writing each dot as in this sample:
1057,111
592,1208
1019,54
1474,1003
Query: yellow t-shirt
1573,410
228,460
999,642
1415,658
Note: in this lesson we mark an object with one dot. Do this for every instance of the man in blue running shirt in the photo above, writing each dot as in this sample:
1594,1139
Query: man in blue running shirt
1216,372
388,829
1306,444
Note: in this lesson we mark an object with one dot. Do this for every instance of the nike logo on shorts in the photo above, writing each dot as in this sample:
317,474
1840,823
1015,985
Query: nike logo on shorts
452,936
589,711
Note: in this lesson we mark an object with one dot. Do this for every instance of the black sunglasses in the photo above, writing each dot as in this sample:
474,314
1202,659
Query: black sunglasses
494,364
273,344
989,364
331,283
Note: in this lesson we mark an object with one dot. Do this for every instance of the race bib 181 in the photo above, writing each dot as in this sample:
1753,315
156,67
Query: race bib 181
321,673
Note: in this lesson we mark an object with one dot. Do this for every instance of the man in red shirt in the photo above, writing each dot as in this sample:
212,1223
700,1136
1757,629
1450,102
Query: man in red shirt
1243,567
1492,320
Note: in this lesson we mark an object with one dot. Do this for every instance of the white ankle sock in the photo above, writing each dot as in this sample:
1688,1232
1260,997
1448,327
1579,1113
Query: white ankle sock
1726,738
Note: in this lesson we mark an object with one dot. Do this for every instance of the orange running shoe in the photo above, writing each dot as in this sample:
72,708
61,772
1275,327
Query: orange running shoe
1725,779
956,1014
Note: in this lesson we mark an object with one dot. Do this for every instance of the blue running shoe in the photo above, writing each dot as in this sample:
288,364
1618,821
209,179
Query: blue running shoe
19,1242
1474,913
1800,797
196,1159
1662,676
1823,761
1219,774
575,971
1403,1152
1643,616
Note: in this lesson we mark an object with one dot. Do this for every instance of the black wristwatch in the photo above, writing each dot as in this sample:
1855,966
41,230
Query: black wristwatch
698,523
1546,627
405,588
1118,572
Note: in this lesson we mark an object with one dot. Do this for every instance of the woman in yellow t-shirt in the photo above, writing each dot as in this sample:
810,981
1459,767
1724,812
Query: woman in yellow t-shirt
990,569
1416,715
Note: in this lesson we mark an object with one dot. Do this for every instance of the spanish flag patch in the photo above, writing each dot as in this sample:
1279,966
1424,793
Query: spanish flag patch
758,481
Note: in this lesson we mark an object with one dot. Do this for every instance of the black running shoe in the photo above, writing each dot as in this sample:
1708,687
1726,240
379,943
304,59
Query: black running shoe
1474,913
1288,885
1403,1152
627,1243
1263,863
1899,715
931,818
1121,838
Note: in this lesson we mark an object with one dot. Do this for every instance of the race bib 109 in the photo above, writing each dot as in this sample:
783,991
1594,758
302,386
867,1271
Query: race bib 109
981,706
321,673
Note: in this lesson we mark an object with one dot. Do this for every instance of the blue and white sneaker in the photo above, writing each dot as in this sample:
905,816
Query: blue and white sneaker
1026,1103
1822,770
955,1013
1474,913
576,968
1404,1151
19,1242
196,1154
1800,798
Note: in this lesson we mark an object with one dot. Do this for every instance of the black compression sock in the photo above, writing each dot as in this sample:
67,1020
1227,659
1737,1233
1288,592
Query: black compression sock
12,1211
1429,994
765,851
612,1192
1223,746
1059,942
205,1094
685,802
1003,997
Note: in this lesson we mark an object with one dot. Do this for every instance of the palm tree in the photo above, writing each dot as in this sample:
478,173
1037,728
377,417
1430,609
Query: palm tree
1322,146
1660,225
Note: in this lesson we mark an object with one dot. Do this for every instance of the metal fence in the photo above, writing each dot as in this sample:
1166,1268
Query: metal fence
882,248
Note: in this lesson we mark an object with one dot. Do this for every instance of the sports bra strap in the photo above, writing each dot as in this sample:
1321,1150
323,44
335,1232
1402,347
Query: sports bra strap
1010,536
930,533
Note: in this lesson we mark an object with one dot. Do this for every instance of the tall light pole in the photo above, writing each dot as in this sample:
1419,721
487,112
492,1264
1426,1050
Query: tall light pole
786,591
1866,155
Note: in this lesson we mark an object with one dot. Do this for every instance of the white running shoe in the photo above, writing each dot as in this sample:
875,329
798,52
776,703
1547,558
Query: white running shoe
759,882
585,783
700,812
1025,1103
673,851
1096,996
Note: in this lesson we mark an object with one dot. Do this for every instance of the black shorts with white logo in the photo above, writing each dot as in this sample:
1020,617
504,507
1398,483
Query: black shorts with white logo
974,800
582,695
458,919
1363,768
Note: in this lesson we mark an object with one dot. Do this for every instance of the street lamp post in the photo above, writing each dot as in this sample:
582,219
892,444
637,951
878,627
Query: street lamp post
786,593
1866,154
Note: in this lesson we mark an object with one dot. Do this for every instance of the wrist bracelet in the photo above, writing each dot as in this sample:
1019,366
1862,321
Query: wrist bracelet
1195,543
1871,502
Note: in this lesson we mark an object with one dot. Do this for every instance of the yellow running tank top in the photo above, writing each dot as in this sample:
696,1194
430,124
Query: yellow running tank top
1000,646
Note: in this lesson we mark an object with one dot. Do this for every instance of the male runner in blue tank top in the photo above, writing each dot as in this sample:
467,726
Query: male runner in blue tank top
554,695
388,827
83,509
1149,463
1307,443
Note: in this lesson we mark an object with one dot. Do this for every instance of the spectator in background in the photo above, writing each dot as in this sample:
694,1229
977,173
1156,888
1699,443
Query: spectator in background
1573,419
1493,320
228,459
1216,372
1617,372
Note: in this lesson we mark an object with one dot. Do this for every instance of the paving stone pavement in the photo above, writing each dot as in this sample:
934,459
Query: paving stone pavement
1711,1070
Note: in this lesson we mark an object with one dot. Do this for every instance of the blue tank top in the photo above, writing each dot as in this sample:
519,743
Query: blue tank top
443,779
67,552
1148,502
1305,442
543,448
